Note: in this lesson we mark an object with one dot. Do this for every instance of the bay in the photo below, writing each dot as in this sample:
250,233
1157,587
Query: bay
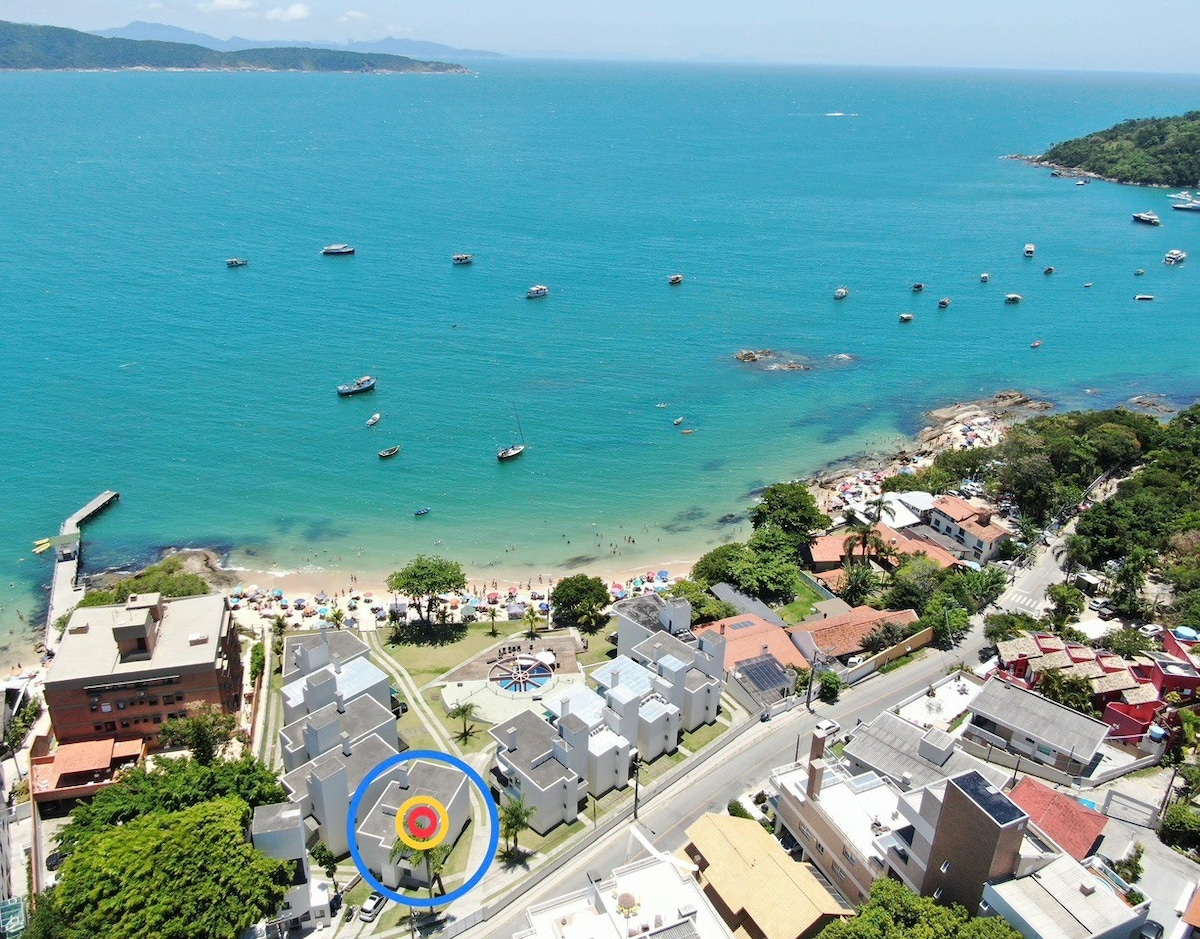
135,360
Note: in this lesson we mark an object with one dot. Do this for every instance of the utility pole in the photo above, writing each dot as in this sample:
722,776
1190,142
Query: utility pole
637,773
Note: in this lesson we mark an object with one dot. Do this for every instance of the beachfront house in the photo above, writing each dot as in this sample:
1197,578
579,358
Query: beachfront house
972,524
321,676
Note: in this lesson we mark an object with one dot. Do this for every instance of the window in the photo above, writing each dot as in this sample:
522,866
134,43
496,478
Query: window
97,727
805,833
848,856
983,906
120,705
110,725
838,872
937,894
945,866
820,848
179,697
157,718
94,707
153,701
125,725
168,699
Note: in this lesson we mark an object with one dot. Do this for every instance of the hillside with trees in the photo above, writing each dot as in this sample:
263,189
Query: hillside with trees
1154,151
54,48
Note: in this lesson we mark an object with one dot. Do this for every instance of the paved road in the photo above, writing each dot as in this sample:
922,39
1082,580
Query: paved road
1027,593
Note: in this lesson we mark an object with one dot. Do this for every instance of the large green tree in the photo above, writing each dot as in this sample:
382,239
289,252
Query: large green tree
913,584
705,607
791,508
206,730
997,627
576,598
1125,642
1066,603
171,786
171,875
859,582
426,576
516,815
721,564
895,912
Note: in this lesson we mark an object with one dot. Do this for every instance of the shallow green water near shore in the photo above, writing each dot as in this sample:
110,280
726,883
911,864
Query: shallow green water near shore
137,361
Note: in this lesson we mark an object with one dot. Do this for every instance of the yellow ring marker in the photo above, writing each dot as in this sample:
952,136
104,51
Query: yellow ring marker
443,823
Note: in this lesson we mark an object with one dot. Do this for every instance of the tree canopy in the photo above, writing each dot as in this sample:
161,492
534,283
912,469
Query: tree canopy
169,875
576,599
171,786
791,508
761,568
1156,151
426,576
895,912
206,731
705,607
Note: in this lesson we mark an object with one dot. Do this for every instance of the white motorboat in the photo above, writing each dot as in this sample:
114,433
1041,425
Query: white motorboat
463,258
841,293
537,291
1012,298
338,249
373,419
1175,256
1147,218
1030,249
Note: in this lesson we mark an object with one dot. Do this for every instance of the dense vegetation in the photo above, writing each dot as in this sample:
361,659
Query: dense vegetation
895,912
185,873
50,47
166,577
1162,151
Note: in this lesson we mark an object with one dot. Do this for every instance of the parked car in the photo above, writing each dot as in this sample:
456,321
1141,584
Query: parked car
1151,929
828,727
1106,613
372,907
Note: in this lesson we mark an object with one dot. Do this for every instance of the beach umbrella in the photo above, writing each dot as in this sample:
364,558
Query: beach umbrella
649,575
664,575
617,585
368,595
493,597
237,591
277,593
620,594
323,610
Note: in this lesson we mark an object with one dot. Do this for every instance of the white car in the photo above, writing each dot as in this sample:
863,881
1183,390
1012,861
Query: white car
371,907
828,727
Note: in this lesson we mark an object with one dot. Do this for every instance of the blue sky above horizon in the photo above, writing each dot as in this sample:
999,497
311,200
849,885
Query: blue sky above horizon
1112,35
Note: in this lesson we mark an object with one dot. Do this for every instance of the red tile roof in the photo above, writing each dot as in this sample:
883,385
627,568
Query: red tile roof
968,517
87,757
831,549
746,634
1072,826
1191,915
843,635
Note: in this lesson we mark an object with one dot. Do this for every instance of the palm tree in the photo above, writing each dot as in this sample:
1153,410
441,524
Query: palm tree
492,613
433,858
858,583
878,507
532,620
592,621
337,616
463,712
515,817
872,542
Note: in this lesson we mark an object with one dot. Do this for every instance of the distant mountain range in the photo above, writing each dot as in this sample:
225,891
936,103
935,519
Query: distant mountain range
388,46
51,47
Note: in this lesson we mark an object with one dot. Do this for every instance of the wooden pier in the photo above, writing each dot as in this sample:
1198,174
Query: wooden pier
66,590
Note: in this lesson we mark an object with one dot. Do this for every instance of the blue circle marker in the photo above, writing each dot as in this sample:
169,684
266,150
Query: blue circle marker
476,780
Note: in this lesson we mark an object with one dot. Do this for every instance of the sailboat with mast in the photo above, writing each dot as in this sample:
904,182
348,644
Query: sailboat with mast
514,451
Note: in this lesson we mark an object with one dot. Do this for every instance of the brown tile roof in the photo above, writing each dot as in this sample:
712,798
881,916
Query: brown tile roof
1023,646
1051,660
1114,681
1191,915
954,507
754,877
1084,670
1142,693
747,634
829,549
1073,827
87,757
843,635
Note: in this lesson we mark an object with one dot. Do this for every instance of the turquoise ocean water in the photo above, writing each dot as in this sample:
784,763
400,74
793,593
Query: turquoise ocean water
135,360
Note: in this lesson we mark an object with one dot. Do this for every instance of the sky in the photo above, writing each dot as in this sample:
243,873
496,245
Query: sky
1113,35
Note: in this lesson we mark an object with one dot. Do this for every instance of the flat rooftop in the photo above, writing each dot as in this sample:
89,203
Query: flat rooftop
188,636
861,806
999,807
663,903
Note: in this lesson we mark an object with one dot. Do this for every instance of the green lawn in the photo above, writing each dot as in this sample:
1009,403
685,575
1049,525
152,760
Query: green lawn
426,661
803,606
358,893
703,735
414,732
599,650
902,661
477,742
456,867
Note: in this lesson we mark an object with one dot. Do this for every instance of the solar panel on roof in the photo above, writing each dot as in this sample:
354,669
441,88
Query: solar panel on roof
766,674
